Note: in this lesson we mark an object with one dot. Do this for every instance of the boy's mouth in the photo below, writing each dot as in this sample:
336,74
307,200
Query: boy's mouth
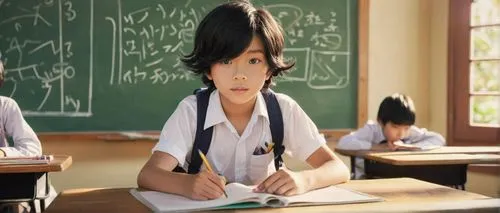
239,89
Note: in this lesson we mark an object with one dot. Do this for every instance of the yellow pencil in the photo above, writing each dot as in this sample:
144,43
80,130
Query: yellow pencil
205,162
270,147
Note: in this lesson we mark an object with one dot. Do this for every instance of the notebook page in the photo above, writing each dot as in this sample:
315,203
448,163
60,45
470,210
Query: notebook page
164,202
329,195
42,159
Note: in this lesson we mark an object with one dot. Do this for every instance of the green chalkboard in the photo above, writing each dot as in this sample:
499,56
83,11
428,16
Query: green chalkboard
113,65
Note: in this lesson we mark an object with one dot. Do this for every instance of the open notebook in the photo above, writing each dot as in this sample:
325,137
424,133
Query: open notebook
241,196
42,159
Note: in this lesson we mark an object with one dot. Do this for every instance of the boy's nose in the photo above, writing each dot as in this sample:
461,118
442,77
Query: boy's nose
238,74
239,77
402,134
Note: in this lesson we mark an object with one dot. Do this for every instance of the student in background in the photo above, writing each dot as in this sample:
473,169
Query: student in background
237,50
25,144
12,124
394,130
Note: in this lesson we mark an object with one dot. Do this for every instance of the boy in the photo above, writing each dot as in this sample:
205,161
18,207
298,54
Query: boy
237,50
394,130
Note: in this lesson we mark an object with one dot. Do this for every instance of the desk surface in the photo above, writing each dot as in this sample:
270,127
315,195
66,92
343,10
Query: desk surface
442,159
400,194
60,163
442,150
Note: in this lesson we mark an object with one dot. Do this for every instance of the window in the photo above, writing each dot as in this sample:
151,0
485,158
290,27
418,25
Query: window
474,72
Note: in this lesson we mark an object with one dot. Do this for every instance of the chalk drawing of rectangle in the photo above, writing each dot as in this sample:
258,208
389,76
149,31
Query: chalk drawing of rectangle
329,70
301,58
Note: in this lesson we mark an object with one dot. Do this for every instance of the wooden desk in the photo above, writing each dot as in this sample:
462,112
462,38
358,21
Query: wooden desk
22,183
442,150
58,164
446,165
445,169
433,159
400,194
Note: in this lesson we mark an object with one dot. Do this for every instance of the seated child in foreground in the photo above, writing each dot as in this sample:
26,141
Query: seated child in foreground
237,50
394,130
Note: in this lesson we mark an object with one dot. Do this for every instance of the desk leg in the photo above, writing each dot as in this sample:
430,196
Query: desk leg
42,186
463,176
353,167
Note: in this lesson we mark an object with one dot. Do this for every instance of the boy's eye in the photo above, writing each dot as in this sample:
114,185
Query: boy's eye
225,61
254,61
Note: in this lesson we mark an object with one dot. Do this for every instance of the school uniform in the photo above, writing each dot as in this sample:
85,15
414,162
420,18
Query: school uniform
372,133
12,124
237,157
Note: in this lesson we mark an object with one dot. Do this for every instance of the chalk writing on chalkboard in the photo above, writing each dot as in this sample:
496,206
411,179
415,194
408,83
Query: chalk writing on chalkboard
50,45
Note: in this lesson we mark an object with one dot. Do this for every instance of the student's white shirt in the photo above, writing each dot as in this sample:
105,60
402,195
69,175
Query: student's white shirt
12,124
230,154
372,133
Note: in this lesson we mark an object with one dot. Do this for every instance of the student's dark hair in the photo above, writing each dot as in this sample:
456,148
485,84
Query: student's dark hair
227,31
398,109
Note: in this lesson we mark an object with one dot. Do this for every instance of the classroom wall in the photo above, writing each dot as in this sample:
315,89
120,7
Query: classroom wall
438,65
408,54
399,54
408,47
99,163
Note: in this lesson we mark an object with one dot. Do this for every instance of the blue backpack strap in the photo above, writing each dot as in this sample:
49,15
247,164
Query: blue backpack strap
276,125
203,138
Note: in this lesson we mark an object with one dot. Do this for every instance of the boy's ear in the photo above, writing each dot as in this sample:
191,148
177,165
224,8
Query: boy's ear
209,76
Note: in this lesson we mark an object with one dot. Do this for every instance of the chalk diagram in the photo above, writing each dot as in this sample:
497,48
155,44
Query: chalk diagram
41,68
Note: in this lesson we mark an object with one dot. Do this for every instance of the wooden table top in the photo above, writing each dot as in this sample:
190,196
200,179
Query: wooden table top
442,150
400,194
441,159
58,164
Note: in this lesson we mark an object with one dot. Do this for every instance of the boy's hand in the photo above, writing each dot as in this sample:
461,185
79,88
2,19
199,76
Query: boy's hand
283,182
205,186
400,145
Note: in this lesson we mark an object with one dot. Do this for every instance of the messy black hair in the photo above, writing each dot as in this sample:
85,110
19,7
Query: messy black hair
227,31
398,109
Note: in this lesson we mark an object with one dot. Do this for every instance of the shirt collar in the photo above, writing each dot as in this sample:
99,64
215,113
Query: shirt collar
260,108
216,115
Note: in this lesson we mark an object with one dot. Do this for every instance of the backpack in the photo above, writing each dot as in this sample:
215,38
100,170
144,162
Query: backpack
203,138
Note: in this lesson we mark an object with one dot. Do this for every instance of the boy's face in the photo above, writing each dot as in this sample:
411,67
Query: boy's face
394,132
240,79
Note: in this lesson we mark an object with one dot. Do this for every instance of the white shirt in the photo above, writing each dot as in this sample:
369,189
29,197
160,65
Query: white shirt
372,133
12,124
230,154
